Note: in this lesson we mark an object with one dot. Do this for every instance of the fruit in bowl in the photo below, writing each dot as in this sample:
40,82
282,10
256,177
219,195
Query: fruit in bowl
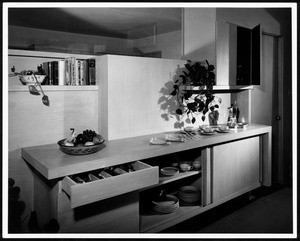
84,143
86,138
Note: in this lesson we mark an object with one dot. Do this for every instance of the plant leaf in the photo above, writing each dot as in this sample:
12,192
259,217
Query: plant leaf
187,66
174,92
33,90
183,77
179,112
193,120
45,100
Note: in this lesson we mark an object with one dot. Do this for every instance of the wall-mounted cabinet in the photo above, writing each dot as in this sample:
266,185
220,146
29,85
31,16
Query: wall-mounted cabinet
238,53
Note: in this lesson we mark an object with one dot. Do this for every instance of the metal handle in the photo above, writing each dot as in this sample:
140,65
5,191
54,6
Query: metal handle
277,117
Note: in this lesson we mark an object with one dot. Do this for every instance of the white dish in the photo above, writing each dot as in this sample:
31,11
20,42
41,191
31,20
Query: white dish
207,133
189,129
29,79
169,171
168,205
156,141
174,138
220,131
189,194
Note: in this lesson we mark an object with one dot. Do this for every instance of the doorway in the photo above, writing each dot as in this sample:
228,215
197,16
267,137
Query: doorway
266,100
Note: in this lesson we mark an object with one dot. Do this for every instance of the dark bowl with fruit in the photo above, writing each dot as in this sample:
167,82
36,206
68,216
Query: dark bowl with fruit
87,142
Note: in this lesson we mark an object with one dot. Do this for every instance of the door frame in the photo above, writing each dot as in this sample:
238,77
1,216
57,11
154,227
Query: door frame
278,84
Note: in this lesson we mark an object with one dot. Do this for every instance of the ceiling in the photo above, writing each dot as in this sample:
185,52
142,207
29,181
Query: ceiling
128,23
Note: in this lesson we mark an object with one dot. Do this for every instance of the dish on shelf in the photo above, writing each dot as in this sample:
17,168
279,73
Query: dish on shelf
189,194
169,204
169,171
79,150
29,79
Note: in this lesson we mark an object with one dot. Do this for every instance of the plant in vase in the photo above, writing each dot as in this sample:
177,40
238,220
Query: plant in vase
33,79
194,101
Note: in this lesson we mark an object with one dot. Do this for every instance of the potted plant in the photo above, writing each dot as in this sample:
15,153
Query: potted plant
194,90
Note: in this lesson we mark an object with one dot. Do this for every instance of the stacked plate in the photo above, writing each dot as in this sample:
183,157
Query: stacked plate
189,194
169,204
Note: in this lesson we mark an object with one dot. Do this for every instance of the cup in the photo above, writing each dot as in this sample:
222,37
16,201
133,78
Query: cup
224,128
196,165
185,167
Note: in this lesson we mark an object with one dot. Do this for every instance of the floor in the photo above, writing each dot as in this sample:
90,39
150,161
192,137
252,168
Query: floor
270,211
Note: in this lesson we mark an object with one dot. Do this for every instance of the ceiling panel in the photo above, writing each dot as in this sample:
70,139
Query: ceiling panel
110,22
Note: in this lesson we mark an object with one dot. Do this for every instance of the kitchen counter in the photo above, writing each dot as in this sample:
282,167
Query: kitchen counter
232,164
52,163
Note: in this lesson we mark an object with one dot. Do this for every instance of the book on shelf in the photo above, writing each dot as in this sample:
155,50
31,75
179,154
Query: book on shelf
92,71
70,71
55,72
61,72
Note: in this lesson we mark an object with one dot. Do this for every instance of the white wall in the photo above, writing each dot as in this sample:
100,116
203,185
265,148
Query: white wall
170,44
199,34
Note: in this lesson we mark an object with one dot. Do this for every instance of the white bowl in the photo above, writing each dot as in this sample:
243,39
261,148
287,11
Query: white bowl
29,79
189,129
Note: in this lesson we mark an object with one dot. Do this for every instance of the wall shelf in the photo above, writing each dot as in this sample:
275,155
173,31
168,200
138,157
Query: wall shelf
221,87
50,55
24,88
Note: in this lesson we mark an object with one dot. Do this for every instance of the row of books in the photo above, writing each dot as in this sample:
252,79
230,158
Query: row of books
70,71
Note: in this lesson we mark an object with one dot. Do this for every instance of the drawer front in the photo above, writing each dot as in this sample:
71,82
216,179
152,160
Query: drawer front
84,193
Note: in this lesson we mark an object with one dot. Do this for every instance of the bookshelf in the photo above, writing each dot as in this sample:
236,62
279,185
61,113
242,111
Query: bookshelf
29,60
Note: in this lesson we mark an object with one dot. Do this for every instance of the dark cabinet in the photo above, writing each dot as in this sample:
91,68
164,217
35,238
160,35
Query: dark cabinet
238,51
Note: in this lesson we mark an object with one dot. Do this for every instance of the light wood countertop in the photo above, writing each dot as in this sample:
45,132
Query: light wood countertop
52,163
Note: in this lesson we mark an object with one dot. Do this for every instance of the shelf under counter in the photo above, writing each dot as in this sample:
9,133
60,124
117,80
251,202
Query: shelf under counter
152,222
168,179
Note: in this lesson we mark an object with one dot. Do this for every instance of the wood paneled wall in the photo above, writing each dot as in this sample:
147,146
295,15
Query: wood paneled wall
32,123
135,96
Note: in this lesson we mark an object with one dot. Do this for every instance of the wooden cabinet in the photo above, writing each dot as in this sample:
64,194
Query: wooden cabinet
238,52
235,168
231,164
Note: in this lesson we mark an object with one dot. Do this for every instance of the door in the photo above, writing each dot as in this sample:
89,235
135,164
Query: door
235,168
266,107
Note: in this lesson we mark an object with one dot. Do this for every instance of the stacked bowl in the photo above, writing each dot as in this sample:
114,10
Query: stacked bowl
189,194
169,204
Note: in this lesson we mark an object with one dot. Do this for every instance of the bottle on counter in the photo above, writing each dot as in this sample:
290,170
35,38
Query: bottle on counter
233,116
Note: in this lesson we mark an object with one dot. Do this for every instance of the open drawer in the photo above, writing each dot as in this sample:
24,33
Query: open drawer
108,186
